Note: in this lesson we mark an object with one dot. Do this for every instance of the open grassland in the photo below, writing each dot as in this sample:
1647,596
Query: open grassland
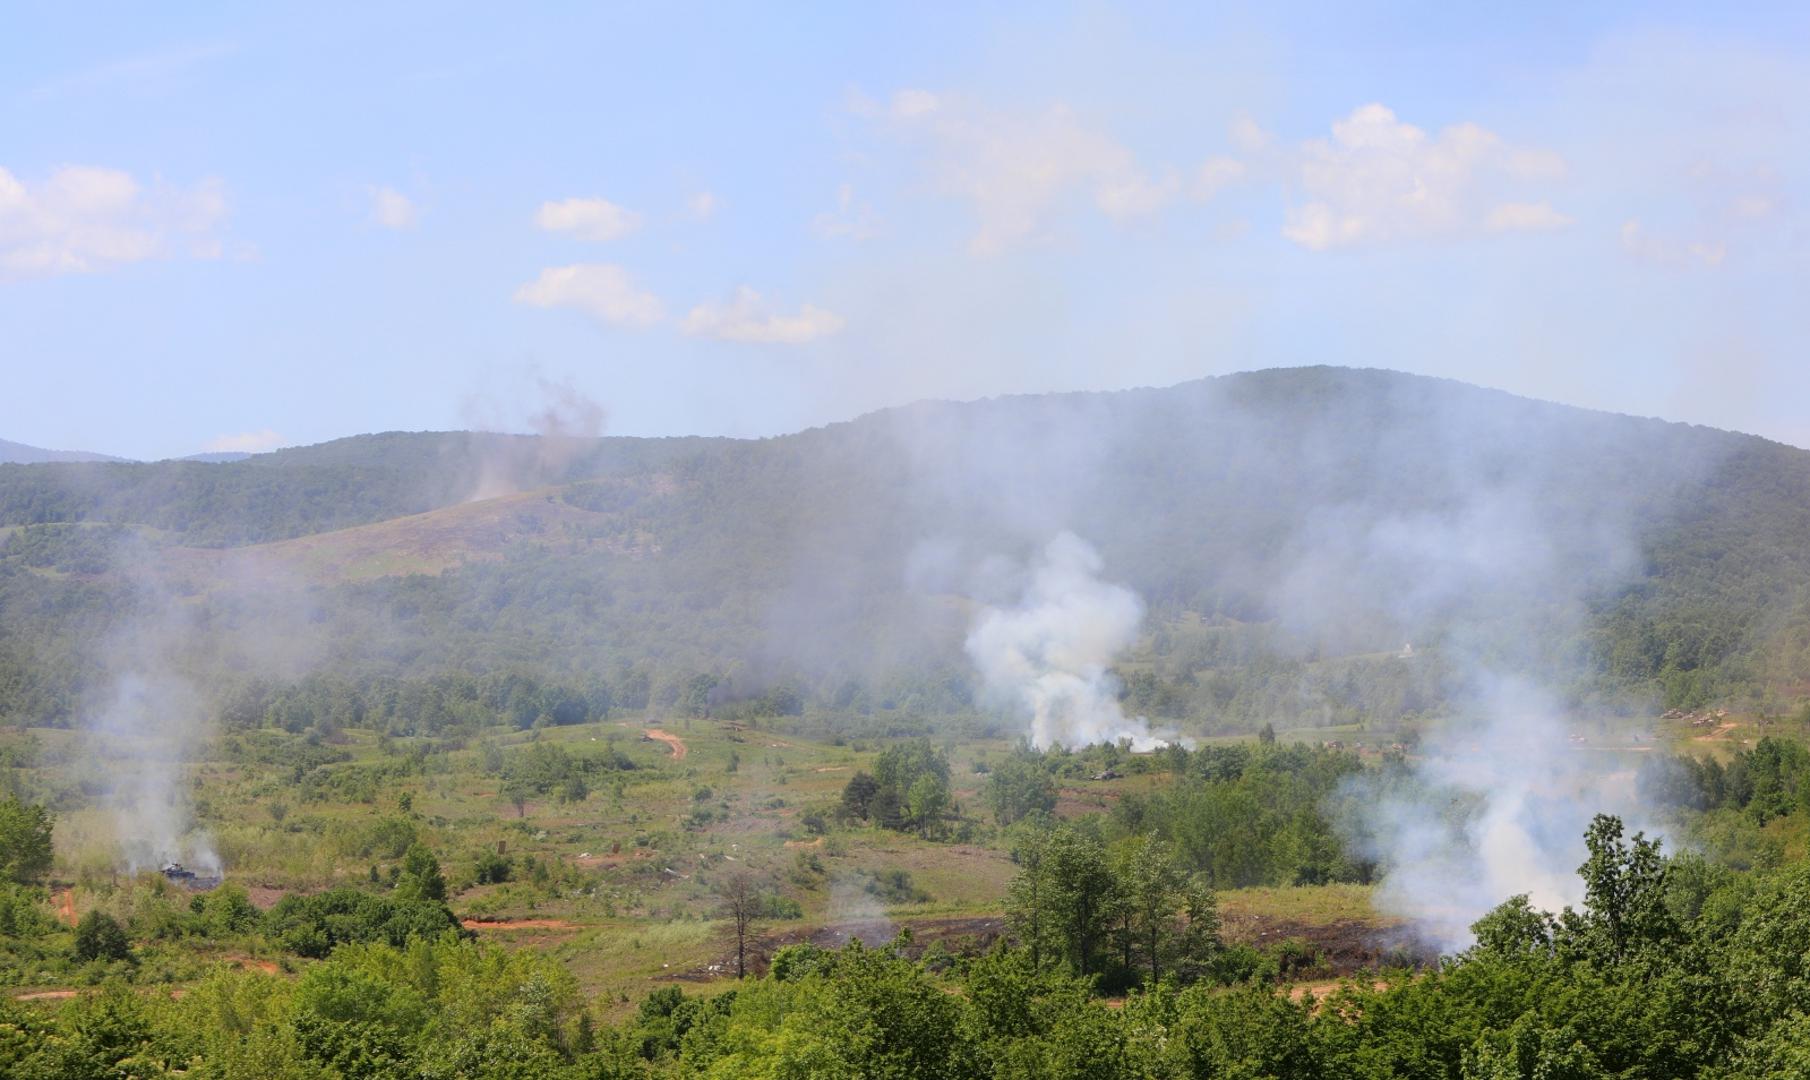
618,879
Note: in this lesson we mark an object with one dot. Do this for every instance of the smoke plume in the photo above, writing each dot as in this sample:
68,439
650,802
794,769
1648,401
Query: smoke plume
1050,655
148,727
565,424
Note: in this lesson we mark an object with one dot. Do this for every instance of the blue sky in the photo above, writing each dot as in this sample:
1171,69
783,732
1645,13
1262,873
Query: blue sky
226,227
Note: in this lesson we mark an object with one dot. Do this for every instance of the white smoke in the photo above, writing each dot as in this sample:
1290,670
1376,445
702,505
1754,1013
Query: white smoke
1495,808
1050,655
146,732
565,424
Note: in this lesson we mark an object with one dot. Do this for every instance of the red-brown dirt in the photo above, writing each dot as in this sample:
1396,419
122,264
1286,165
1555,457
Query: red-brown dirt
667,737
47,995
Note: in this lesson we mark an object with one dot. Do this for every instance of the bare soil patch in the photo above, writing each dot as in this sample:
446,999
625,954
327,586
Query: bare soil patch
667,737
264,897
47,995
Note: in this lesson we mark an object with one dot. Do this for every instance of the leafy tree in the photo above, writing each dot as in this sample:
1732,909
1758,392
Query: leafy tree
98,936
1625,909
1019,786
421,878
1067,896
1165,916
858,796
927,803
25,850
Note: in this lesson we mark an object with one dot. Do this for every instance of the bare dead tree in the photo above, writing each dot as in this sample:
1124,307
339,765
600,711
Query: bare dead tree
739,898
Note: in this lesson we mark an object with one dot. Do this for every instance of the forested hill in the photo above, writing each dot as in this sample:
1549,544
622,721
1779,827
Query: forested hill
1288,530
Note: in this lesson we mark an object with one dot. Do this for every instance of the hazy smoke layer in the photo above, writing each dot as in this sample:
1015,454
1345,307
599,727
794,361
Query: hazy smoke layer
1049,655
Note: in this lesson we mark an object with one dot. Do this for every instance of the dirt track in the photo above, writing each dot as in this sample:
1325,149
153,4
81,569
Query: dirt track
667,737
47,995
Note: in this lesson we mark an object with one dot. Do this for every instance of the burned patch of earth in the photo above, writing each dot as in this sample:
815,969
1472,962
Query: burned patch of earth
518,924
1335,949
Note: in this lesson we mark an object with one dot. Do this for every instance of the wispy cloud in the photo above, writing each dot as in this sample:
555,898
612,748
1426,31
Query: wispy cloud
747,318
703,205
140,73
246,442
595,219
392,209
852,219
1646,246
1015,168
603,291
83,219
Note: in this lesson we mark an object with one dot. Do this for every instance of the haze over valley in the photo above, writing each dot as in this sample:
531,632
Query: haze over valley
1063,543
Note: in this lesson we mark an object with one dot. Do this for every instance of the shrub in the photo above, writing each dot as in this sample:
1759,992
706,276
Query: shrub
493,869
99,937
314,925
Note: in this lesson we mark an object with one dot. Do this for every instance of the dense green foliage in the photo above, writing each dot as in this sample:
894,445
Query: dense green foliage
25,849
908,791
314,925
1657,975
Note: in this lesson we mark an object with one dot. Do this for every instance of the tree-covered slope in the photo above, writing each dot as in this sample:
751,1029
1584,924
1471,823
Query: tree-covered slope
1287,531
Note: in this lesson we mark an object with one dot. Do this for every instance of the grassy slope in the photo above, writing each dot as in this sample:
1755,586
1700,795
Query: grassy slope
631,908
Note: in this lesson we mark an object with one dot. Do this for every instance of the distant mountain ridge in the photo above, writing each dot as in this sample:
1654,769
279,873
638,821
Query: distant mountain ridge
12,453
1271,522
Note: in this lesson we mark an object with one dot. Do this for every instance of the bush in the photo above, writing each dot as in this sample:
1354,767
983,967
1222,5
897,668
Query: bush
894,886
794,962
99,937
24,841
227,911
22,912
493,869
314,925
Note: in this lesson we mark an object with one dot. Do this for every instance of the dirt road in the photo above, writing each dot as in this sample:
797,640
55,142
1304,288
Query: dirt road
667,737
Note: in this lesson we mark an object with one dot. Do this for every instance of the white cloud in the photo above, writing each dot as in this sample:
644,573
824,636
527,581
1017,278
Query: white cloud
392,209
746,318
247,442
703,205
1525,217
1136,195
82,219
1249,136
598,220
911,104
600,290
851,220
1379,180
1015,168
1665,251
1215,175
1753,207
